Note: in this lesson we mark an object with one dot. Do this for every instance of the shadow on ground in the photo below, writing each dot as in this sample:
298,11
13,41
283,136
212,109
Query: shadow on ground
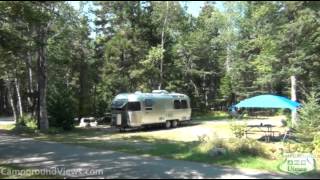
34,154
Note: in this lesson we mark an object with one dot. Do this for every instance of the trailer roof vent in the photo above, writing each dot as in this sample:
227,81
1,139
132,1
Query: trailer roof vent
160,92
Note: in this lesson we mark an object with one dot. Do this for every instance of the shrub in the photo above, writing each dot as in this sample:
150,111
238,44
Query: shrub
309,123
309,126
239,130
316,146
205,143
305,148
54,130
60,108
316,141
28,121
25,130
248,147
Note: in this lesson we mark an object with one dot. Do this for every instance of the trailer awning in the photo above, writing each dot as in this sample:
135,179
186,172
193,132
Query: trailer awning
268,101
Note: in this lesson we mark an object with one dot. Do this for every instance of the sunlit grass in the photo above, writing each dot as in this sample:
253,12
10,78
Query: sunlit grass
7,127
164,143
182,143
211,116
184,134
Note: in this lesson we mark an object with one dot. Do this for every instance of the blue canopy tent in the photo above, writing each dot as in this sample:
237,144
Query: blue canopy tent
268,101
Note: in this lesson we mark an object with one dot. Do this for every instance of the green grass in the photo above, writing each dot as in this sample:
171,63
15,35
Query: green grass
8,127
194,152
169,144
179,144
221,115
188,151
214,115
6,168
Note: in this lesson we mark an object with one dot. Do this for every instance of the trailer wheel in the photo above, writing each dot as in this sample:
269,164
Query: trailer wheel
168,124
174,124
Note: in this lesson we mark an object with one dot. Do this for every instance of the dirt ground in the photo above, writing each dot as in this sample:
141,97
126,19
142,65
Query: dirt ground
194,131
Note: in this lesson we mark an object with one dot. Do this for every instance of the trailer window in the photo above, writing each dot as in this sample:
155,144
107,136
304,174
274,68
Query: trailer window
176,104
134,106
184,104
148,104
119,104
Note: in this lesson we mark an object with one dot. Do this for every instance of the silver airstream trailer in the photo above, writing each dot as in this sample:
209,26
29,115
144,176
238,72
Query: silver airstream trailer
144,109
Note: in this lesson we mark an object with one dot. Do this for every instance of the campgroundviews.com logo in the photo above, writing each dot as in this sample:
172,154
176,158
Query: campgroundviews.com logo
298,163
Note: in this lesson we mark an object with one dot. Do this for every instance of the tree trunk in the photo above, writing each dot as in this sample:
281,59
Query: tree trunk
162,45
13,107
2,97
82,88
195,87
227,63
94,100
18,97
294,117
42,81
293,88
205,90
30,79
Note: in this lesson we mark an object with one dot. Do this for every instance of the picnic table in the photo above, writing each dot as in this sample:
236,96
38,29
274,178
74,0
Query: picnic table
262,128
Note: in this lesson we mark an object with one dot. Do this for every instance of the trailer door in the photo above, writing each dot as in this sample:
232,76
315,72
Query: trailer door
149,114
